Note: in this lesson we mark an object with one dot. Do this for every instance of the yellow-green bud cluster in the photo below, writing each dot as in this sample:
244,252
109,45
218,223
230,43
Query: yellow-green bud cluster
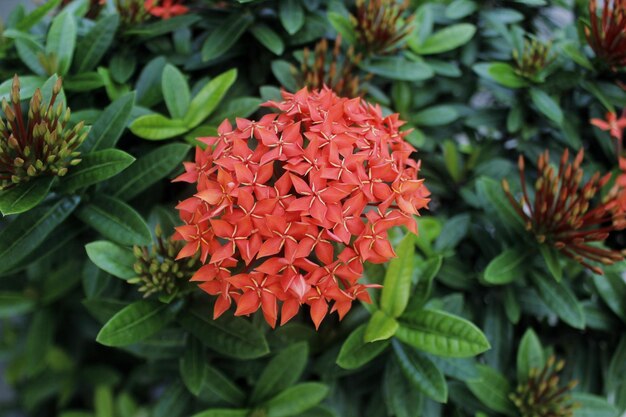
158,271
542,396
533,59
40,144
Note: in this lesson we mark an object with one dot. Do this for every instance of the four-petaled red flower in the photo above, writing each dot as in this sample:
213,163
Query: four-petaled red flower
612,124
165,8
288,208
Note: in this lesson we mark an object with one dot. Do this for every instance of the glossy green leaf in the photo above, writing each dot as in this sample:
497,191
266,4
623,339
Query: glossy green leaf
25,196
148,85
397,68
147,170
426,271
493,390
175,91
14,303
284,73
505,75
281,372
552,259
441,334
96,167
546,105
612,289
435,116
23,235
224,36
380,327
36,15
529,355
560,299
291,15
230,336
397,283
110,125
296,399
62,41
343,26
205,102
157,127
173,402
114,259
232,109
268,38
507,267
135,323
593,406
444,40
92,47
192,366
221,387
398,392
116,221
421,372
356,352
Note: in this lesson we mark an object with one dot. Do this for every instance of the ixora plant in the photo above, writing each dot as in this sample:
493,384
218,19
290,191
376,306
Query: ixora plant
234,219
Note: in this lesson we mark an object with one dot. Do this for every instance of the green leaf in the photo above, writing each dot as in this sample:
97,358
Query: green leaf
14,303
237,107
612,290
441,334
157,127
421,372
397,68
114,259
173,402
355,352
109,126
103,401
28,85
459,9
148,85
426,272
445,39
593,406
221,387
575,52
529,355
60,281
31,54
36,15
135,323
296,399
23,235
380,327
95,44
223,412
25,196
86,81
281,372
551,257
546,105
492,389
397,283
268,38
506,267
435,116
505,74
208,98
147,170
116,221
62,41
398,392
284,73
224,36
193,366
343,26
96,167
230,336
175,91
560,299
291,15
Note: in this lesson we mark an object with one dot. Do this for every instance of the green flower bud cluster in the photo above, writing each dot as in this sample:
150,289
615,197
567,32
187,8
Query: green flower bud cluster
542,396
533,59
157,269
41,144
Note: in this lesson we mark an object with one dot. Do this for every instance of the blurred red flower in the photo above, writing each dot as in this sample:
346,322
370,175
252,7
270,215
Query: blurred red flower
605,34
612,124
165,8
288,208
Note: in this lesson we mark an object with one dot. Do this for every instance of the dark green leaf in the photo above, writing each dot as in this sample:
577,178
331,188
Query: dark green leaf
175,91
207,99
546,105
224,36
551,257
25,196
445,39
114,259
355,352
14,304
493,389
612,289
96,167
397,68
193,366
62,41
110,125
291,15
343,26
560,299
397,283
593,406
94,45
529,355
135,323
296,399
421,372
281,372
435,116
506,267
220,386
116,221
268,38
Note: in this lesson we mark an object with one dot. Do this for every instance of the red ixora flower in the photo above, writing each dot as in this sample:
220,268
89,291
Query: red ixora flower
612,124
165,8
288,208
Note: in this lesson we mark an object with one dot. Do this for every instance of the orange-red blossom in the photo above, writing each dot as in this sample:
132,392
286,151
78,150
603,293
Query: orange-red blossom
288,208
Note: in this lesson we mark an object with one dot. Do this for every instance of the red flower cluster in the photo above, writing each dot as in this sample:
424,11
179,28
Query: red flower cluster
288,208
166,8
605,35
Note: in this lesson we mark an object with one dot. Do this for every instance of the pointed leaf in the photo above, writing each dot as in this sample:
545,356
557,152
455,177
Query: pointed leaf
114,259
560,299
397,283
529,355
224,36
546,105
94,168
296,399
380,327
25,196
355,352
421,372
175,91
493,389
281,372
92,47
444,40
506,267
110,125
291,15
135,323
62,41
208,98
